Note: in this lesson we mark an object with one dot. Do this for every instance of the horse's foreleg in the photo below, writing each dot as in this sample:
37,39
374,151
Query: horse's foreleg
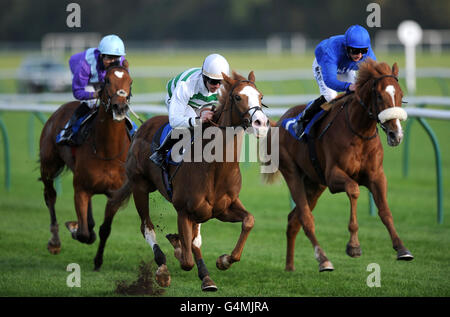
378,190
236,213
81,233
208,284
339,181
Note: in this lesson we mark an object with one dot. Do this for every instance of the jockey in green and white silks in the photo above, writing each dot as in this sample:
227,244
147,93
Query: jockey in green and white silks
191,91
190,96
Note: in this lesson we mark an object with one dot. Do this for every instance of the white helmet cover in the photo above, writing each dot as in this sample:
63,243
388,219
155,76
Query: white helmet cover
214,65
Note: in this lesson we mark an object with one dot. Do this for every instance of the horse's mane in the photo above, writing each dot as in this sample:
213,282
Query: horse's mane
368,70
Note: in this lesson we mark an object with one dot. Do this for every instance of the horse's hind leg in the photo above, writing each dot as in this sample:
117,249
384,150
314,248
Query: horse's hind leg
294,225
207,283
378,189
236,213
140,195
104,232
305,217
48,173
293,228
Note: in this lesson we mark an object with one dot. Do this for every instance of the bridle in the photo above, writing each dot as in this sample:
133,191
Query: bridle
120,92
245,121
107,105
374,115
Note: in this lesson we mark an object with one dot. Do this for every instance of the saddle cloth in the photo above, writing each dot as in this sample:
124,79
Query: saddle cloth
290,123
159,138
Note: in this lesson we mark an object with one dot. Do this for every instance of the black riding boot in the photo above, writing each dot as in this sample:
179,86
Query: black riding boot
160,153
67,136
308,114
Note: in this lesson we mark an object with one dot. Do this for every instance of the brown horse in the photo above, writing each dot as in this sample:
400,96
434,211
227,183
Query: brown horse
349,154
97,165
201,189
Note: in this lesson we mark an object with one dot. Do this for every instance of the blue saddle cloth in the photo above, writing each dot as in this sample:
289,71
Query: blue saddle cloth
158,139
87,119
290,123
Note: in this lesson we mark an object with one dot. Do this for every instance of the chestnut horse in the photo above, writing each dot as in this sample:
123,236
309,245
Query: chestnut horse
201,189
349,154
98,165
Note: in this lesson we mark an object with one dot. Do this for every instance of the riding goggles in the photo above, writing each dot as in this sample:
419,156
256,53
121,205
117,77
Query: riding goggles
356,50
213,82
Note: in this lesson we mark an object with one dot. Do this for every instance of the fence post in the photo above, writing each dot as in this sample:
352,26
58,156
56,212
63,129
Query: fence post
7,155
437,154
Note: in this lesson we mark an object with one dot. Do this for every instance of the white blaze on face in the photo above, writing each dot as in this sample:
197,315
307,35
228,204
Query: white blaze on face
118,74
391,91
259,119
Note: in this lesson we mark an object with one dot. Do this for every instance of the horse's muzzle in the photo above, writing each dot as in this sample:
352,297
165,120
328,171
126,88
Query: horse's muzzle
394,137
119,111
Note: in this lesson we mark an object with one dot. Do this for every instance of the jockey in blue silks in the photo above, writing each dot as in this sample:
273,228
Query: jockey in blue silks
335,67
89,71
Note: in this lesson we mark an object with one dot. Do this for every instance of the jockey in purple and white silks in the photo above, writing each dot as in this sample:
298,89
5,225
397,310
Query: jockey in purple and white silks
89,70
335,66
190,97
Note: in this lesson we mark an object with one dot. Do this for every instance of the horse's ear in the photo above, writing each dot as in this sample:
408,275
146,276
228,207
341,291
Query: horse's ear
395,70
251,76
228,80
125,64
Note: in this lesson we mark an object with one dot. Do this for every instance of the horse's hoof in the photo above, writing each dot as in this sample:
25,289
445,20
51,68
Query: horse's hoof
326,266
92,237
208,285
163,276
72,226
54,248
223,262
354,252
404,255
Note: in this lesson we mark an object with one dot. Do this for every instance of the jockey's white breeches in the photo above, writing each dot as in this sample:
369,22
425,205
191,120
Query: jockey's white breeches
327,92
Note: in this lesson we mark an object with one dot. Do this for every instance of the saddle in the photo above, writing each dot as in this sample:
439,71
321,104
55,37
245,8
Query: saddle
157,140
85,126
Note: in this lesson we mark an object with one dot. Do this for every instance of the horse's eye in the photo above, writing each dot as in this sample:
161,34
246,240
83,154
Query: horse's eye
237,97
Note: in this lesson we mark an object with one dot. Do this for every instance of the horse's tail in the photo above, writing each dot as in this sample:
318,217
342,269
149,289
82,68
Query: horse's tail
120,197
269,162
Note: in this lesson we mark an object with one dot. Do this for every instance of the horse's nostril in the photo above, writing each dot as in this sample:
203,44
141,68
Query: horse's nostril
257,123
392,135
